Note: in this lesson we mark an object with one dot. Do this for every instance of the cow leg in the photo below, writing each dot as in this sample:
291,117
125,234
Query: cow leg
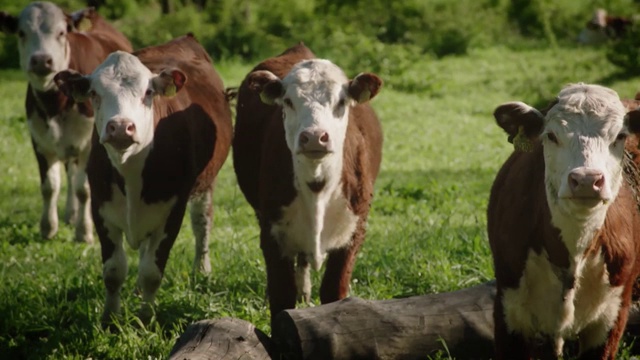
596,342
49,168
71,206
154,254
201,219
281,284
82,193
303,279
114,267
508,345
337,274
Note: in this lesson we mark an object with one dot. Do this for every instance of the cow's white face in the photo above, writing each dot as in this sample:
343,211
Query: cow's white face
122,91
42,43
583,138
315,97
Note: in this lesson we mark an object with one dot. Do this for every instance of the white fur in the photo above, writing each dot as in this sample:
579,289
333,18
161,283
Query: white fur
42,23
201,209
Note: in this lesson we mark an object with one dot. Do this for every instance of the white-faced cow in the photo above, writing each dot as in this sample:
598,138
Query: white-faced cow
50,41
564,227
306,152
602,28
163,130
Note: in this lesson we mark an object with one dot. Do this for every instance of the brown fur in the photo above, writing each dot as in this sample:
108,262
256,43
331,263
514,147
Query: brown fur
519,220
264,169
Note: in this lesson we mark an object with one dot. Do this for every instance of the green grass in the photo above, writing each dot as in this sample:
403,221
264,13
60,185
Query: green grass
426,231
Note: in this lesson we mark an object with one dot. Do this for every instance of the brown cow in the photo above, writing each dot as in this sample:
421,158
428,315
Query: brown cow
602,28
564,227
310,177
163,132
50,41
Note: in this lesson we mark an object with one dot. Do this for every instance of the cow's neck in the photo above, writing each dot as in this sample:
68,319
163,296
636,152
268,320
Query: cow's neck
130,167
578,230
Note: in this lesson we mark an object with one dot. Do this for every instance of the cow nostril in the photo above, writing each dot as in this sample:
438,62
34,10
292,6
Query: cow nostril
130,128
49,62
111,128
599,183
573,182
324,138
304,138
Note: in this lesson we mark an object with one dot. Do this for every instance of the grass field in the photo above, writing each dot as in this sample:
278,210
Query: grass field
426,229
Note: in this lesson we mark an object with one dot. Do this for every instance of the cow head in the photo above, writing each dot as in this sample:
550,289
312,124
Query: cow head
315,98
122,90
43,45
583,138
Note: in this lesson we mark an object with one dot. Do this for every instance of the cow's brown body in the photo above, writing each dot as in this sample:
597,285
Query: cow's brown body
263,165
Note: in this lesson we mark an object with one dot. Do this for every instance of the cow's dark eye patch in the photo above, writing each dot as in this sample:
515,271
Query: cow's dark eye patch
552,137
149,92
288,103
622,137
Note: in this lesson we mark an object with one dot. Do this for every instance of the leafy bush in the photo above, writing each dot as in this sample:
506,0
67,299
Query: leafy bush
625,53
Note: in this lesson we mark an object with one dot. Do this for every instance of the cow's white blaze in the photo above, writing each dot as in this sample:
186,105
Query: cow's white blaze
42,29
122,90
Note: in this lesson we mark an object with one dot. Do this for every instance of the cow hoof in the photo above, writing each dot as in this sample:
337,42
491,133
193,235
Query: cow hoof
70,217
48,229
82,237
109,320
146,313
202,267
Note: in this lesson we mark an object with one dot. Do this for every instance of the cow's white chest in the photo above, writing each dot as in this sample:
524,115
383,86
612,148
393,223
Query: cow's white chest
546,303
299,230
138,220
64,135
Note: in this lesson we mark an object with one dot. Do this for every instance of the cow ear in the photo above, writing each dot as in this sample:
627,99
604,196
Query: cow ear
267,84
81,20
632,121
73,84
8,23
364,87
521,122
169,82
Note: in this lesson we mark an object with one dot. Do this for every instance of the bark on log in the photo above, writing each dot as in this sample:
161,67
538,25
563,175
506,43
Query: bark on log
459,323
221,339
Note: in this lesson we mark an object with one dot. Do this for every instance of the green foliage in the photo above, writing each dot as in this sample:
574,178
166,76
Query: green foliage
625,52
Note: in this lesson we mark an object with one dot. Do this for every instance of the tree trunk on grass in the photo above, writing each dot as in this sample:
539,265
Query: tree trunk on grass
221,339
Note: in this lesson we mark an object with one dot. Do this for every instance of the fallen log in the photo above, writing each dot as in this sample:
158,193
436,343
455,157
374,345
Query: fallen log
221,339
458,323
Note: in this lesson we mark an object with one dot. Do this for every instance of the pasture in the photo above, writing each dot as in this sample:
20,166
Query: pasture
427,227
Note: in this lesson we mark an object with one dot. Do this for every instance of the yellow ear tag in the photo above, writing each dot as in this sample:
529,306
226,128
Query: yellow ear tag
84,25
170,90
521,142
266,99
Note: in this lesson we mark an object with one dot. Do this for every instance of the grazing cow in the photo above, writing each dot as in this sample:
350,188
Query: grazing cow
50,41
602,28
564,226
306,153
163,130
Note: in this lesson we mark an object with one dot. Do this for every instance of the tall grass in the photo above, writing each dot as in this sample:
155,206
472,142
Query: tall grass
426,231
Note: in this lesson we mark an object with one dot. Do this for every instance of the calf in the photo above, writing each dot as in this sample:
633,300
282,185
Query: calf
306,153
50,41
163,130
602,28
564,227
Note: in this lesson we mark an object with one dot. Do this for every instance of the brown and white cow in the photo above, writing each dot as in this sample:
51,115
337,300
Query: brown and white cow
602,28
50,41
306,152
163,130
564,226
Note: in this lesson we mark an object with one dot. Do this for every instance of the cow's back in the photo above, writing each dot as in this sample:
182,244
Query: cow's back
198,115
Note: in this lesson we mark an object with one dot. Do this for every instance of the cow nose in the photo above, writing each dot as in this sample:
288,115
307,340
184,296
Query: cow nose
41,64
314,143
586,183
120,133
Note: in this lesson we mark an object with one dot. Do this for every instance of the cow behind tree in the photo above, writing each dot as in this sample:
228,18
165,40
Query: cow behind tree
307,151
163,131
564,226
50,41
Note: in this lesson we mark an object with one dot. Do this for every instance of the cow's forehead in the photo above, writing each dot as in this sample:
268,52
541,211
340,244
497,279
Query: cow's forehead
122,70
588,107
42,15
316,73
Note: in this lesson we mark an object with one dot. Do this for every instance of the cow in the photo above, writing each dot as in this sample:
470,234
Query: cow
563,225
163,131
50,41
306,152
602,28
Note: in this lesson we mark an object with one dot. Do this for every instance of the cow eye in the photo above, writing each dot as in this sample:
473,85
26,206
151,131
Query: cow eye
552,137
21,34
92,94
341,103
622,137
288,103
149,92
61,33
